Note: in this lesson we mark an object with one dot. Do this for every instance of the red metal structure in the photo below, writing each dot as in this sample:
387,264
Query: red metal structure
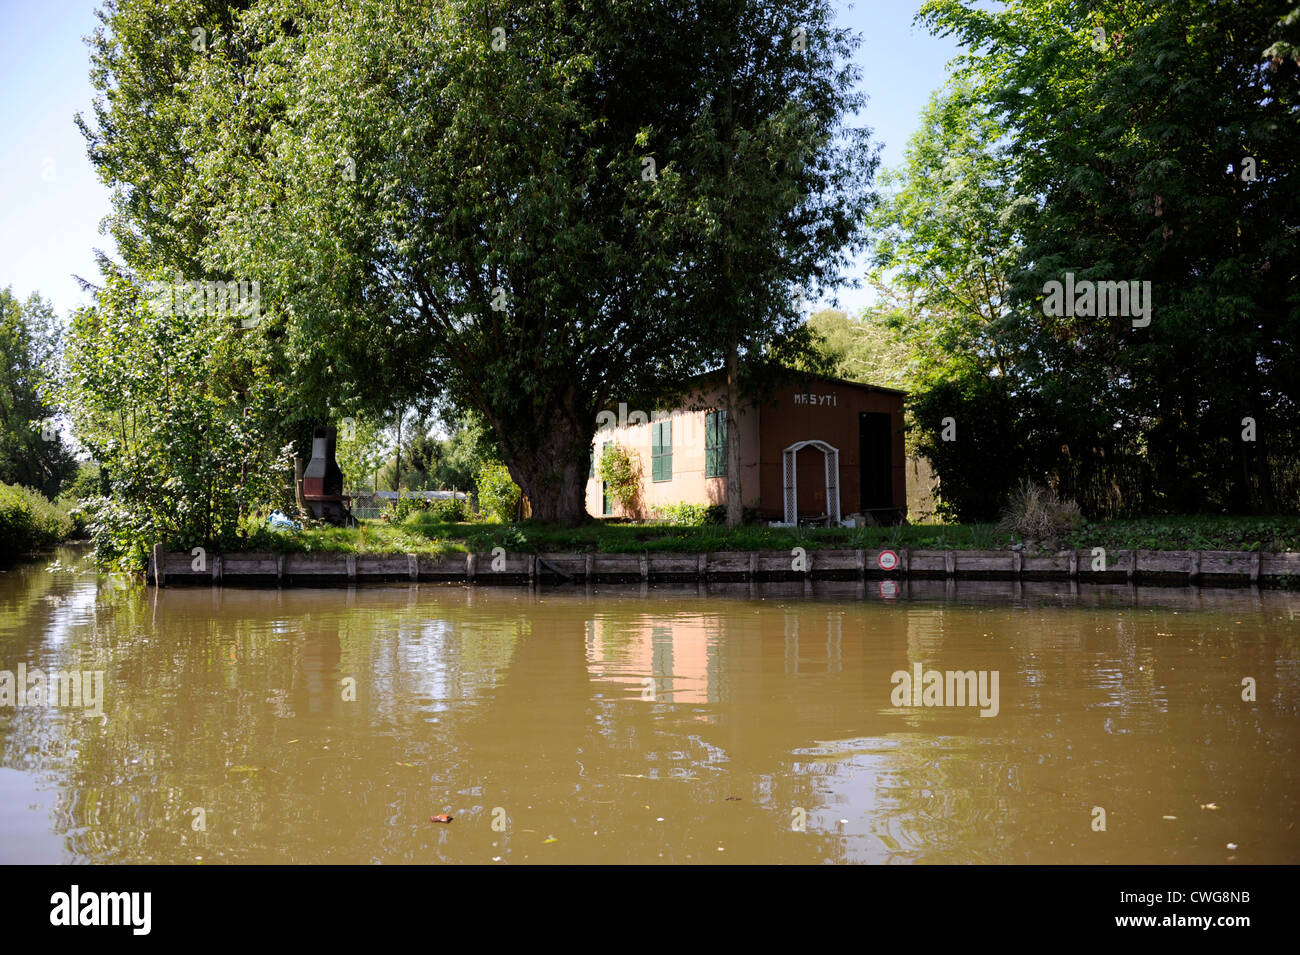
322,481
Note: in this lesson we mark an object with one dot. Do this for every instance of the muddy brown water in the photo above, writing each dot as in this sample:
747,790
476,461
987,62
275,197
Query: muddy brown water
719,723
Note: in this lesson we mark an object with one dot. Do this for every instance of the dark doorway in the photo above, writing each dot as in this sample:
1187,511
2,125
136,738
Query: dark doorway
875,460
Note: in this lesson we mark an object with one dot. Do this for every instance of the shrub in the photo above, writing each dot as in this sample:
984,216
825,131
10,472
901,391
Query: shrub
622,476
184,416
88,483
498,494
451,511
1035,513
407,505
28,521
683,514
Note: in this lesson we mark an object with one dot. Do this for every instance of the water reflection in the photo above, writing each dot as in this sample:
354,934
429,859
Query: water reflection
727,723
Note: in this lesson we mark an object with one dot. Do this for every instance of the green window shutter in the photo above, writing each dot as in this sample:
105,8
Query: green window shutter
715,444
661,450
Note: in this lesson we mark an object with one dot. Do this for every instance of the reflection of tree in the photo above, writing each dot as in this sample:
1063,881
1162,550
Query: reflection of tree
215,703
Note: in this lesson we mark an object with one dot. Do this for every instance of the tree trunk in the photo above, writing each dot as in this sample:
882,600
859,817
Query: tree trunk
735,499
552,471
397,464
298,499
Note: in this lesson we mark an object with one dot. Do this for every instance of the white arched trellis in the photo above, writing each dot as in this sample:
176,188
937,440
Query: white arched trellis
791,481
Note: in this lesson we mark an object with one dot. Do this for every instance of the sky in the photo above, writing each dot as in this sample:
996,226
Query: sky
52,202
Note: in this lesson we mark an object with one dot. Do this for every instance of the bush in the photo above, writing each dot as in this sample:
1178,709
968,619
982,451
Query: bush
498,494
684,514
28,521
88,483
451,511
405,506
1035,513
622,477
206,422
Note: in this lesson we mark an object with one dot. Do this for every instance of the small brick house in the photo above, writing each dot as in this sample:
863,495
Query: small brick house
815,448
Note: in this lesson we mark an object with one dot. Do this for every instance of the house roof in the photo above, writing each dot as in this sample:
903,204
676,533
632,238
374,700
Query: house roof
796,373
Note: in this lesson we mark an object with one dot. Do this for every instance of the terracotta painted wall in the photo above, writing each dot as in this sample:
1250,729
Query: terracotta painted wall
824,411
688,482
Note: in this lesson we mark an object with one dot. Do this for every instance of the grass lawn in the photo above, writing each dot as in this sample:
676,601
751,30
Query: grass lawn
421,534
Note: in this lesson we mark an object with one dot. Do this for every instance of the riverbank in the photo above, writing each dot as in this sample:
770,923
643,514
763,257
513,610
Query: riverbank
499,566
422,535
30,523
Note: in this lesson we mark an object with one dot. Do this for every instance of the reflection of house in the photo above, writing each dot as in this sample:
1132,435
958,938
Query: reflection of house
816,447
678,653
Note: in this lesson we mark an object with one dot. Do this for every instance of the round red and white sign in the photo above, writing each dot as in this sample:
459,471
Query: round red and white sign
887,560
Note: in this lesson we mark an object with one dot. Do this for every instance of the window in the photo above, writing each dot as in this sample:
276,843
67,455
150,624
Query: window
715,444
661,450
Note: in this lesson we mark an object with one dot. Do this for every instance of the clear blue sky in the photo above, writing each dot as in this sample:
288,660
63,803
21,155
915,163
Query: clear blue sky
51,202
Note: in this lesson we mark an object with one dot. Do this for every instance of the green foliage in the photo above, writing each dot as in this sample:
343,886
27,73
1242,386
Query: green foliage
684,514
405,506
88,483
985,427
28,521
1210,532
411,508
451,510
621,473
423,533
32,452
170,409
498,494
440,464
869,349
407,180
359,449
1129,162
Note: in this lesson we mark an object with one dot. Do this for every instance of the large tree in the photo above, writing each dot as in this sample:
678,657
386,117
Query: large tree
33,452
1157,142
534,209
778,184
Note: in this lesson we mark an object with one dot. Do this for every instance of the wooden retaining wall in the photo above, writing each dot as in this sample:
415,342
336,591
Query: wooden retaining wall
1180,568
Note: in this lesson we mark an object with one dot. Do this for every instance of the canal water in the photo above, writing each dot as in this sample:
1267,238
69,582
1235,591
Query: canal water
699,724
